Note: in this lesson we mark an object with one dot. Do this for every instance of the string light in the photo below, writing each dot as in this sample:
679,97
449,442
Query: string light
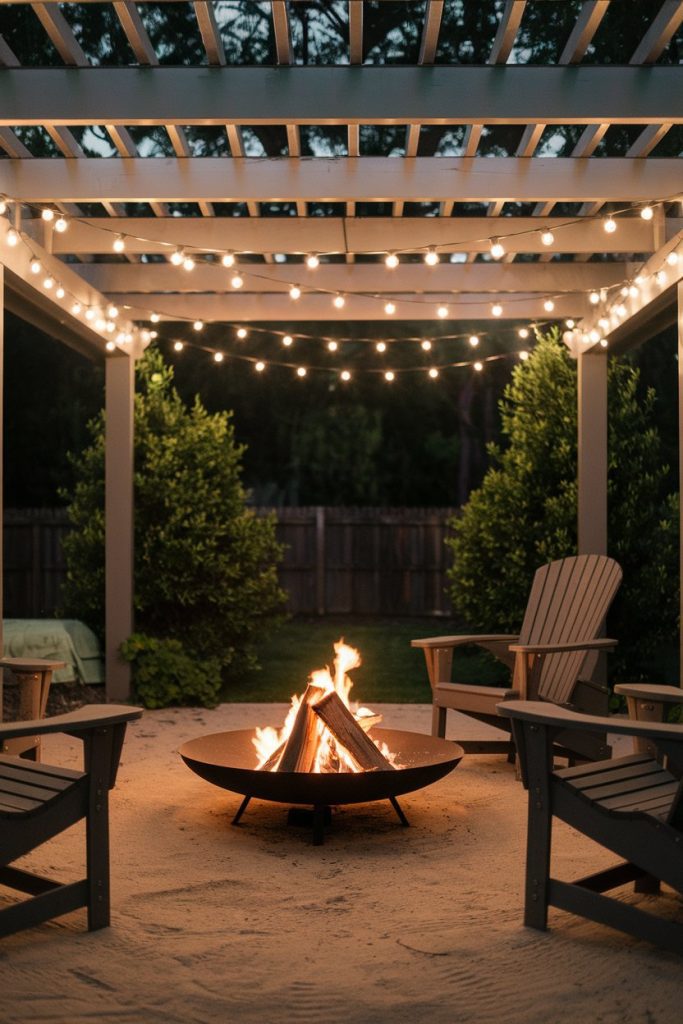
570,324
112,312
155,318
433,373
442,312
259,366
391,260
547,237
478,367
287,340
12,237
110,346
660,277
301,371
48,283
345,375
241,333
218,357
389,376
610,225
633,290
188,263
312,261
497,249
604,323
100,324
119,244
228,259
332,346
594,298
35,266
381,346
473,340
178,346
198,325
60,293
61,224
431,257
549,305
672,259
177,257
647,213
339,302
594,335
524,355
425,345
295,292
236,281
603,342
389,308
523,332
76,308
497,309
48,214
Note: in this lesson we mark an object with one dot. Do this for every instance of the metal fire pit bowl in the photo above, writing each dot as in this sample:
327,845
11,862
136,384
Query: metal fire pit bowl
228,760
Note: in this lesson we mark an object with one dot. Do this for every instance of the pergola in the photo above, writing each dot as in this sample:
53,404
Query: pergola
152,166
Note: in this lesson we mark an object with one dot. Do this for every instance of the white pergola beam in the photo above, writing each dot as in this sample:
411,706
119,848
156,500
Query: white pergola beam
355,31
591,14
430,31
211,38
461,94
378,179
658,36
357,235
508,27
137,36
547,279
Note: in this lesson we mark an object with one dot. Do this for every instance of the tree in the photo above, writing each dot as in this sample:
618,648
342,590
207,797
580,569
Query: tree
205,564
524,513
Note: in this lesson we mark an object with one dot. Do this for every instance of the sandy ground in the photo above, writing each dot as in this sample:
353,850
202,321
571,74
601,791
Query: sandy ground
254,924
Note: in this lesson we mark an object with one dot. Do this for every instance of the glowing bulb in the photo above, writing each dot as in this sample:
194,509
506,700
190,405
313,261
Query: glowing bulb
259,367
478,367
647,213
604,323
89,314
594,298
287,340
381,346
60,293
236,281
301,371
610,225
218,357
12,237
624,290
145,337
391,260
188,263
389,308
241,333
672,259
426,346
154,334
110,346
295,292
474,340
48,283
112,312
312,262
3,207
198,325
228,259
332,346
35,266
523,332
594,335
497,249
549,305
76,308
433,373
621,310
48,215
389,375
497,309
547,237
345,375
603,342
100,324
155,318
633,290
442,312
119,243
110,326
660,277
177,257
431,257
61,224
524,355
570,324
178,346
339,302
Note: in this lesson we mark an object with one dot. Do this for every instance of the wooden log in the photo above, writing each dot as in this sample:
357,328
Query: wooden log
366,722
300,747
346,730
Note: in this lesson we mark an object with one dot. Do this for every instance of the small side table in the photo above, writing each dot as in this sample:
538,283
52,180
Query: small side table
33,676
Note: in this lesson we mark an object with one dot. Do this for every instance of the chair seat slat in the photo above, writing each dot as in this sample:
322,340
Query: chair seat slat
41,768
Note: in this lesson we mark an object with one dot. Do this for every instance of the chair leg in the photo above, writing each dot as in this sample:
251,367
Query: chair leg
438,721
97,832
539,831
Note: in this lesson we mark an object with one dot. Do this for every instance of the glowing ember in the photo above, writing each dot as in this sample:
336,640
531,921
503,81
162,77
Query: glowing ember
317,748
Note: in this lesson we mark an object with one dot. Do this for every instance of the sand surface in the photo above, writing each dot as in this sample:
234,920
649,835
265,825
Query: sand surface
381,924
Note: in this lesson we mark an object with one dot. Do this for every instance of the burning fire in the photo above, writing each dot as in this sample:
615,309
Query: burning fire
327,751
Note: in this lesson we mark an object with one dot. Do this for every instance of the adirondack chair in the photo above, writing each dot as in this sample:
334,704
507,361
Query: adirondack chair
38,801
558,644
632,805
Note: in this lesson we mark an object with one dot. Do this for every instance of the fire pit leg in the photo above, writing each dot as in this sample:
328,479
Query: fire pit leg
401,816
240,811
319,824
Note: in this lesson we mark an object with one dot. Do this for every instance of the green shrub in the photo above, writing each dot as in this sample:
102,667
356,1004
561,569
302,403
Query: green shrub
164,673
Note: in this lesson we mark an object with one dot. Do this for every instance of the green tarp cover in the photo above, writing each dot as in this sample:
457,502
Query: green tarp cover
59,640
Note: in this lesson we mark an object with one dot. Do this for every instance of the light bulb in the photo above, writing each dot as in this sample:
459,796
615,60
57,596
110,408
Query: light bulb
547,237
426,345
110,346
312,262
100,324
60,293
236,281
112,312
110,326
497,249
177,257
218,357
570,324
381,346
603,342
604,323
332,346
523,332
287,340
89,314
35,266
391,260
647,213
474,340
48,283
154,334
433,373
624,291
188,263
431,257
228,259
339,302
295,292
621,310
594,335
672,259
48,215
389,308
345,375
260,366
442,312
633,290
389,375
119,243
478,367
61,224
549,305
497,309
524,355
241,333
610,225
594,298
12,237
301,371
198,325
178,346
76,308
660,277
155,318
145,337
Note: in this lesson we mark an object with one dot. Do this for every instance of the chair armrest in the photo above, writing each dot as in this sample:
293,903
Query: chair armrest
83,720
651,691
458,641
545,713
596,644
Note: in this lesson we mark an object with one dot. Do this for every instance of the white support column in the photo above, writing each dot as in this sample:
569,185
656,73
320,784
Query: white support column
120,393
2,443
680,456
592,453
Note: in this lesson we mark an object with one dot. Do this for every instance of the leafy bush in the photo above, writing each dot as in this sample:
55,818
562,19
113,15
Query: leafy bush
205,564
524,514
164,673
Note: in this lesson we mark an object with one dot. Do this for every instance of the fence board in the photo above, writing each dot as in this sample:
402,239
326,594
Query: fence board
342,561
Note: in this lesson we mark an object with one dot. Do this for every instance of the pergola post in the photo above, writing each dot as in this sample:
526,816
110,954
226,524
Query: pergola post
2,502
592,453
680,465
120,389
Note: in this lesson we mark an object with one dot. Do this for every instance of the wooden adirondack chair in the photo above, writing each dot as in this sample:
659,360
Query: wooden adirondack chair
631,805
567,605
38,801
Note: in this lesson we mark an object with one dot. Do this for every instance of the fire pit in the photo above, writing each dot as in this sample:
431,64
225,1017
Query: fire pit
326,754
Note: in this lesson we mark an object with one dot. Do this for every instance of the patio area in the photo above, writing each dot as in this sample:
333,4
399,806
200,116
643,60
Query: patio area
212,923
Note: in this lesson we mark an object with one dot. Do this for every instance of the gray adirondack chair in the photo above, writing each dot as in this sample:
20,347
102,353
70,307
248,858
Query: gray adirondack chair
38,801
632,805
552,658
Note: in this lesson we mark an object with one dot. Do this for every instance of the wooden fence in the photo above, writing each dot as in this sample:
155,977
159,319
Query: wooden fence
338,561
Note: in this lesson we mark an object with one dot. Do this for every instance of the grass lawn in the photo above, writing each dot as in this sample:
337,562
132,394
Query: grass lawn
391,671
